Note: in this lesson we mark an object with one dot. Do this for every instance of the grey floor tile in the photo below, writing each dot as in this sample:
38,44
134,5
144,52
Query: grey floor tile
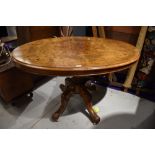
116,109
29,112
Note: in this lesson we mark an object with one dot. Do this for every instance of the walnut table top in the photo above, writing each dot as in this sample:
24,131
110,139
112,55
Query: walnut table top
75,56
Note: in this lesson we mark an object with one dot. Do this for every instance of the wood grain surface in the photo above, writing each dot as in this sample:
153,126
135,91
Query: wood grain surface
75,56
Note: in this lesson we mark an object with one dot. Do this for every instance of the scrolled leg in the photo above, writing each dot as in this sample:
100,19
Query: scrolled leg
62,87
64,102
87,101
76,85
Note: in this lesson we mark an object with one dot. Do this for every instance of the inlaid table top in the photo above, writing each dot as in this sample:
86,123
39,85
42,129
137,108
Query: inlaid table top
75,56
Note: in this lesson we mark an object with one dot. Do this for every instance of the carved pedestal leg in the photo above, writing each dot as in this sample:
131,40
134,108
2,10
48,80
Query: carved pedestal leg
87,101
76,86
64,101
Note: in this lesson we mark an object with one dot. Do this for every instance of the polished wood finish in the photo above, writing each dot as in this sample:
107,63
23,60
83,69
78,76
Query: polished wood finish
74,56
13,83
79,57
28,34
76,85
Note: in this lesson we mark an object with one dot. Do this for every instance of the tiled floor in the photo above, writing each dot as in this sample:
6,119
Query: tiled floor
117,110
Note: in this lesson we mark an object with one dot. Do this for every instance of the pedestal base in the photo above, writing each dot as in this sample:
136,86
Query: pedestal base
77,85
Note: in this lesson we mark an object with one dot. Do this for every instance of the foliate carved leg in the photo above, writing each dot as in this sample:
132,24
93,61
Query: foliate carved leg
87,101
62,87
68,82
72,86
64,102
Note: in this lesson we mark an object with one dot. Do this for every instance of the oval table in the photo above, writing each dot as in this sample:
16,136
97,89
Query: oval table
78,57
